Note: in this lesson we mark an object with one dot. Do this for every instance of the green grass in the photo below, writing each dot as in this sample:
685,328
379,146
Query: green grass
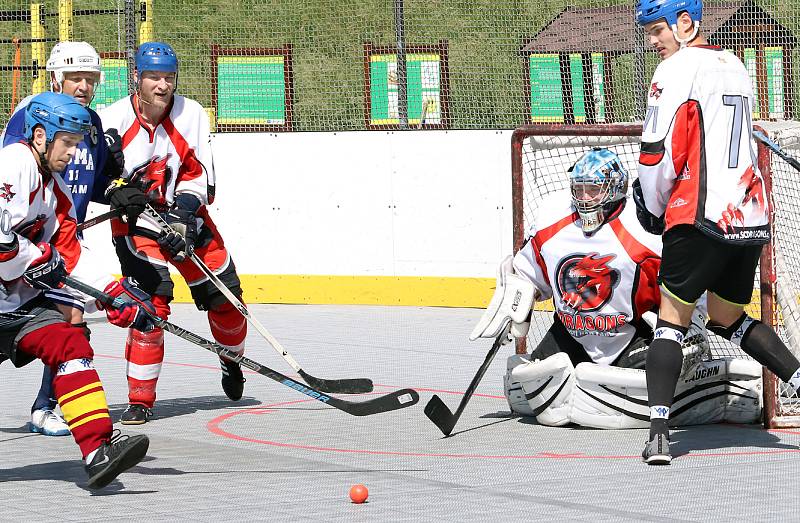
484,38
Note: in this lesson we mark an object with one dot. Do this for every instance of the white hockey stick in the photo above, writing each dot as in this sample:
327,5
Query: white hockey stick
340,386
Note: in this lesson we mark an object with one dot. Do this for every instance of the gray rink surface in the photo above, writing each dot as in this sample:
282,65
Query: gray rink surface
276,454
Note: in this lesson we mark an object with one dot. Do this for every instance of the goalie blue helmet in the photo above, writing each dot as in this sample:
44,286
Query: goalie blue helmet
648,11
598,183
56,112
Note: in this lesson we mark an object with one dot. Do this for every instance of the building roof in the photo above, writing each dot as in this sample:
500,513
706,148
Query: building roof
613,29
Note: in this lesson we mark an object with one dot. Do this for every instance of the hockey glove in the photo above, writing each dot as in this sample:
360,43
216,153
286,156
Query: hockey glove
179,244
650,223
129,198
136,311
115,161
47,271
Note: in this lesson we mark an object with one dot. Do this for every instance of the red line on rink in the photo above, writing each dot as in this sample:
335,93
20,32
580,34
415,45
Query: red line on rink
214,426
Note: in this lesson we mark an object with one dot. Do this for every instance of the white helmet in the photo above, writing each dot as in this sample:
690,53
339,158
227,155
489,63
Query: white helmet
73,56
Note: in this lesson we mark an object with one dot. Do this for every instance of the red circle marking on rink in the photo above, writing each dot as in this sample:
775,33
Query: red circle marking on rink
214,426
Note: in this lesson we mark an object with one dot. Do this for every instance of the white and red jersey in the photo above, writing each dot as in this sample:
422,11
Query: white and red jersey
174,158
34,207
599,283
698,163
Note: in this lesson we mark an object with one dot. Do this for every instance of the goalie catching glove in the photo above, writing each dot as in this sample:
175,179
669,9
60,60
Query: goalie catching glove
134,313
513,297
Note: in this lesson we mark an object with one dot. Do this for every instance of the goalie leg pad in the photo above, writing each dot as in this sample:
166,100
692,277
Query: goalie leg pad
725,389
546,387
608,397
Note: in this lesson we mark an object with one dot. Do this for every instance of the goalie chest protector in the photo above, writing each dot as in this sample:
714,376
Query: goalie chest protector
599,283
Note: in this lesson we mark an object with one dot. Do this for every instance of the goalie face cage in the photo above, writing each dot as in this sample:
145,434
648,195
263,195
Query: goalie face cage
541,155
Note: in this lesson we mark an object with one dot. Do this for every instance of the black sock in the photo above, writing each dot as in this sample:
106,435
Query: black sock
763,345
664,361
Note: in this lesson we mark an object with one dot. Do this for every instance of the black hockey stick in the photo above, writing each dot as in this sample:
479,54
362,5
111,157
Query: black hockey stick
763,138
438,412
340,386
398,399
100,218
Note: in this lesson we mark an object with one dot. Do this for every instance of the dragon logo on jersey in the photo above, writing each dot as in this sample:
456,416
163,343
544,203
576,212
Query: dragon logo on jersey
6,193
655,90
153,176
586,282
753,186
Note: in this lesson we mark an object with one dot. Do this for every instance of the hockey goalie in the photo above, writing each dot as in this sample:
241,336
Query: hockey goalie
587,251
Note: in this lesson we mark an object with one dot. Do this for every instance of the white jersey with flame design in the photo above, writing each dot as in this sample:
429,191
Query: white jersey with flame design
599,283
698,163
173,158
35,207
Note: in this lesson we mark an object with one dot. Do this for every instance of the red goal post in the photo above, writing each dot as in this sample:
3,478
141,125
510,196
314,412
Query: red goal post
540,157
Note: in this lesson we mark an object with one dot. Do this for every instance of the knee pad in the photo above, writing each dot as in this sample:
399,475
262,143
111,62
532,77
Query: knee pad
228,326
69,344
720,390
546,387
608,397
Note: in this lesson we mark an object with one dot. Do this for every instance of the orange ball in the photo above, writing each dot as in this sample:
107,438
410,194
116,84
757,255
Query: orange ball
358,493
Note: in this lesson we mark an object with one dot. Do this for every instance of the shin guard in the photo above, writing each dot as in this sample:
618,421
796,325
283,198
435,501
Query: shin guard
228,327
144,352
83,402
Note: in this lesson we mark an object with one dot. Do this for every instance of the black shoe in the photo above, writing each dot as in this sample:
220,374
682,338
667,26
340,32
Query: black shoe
232,379
656,451
135,414
115,457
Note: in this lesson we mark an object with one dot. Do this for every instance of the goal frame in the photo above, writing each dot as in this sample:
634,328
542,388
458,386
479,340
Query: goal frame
767,273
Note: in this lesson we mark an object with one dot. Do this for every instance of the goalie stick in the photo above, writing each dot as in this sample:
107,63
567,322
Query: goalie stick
763,138
339,386
438,412
398,399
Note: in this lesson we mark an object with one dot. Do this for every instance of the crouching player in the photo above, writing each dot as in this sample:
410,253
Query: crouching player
38,246
587,251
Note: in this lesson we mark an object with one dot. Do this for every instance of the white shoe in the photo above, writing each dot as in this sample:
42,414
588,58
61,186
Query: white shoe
48,423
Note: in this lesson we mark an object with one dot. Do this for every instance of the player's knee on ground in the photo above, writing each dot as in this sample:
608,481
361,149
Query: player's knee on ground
540,388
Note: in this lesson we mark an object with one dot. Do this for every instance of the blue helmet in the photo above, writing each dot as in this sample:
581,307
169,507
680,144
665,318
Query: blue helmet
597,182
156,56
56,112
648,11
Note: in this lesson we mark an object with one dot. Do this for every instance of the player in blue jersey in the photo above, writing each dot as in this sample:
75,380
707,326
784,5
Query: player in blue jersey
74,69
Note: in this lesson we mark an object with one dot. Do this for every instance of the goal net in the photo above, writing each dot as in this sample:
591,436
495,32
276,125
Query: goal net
541,155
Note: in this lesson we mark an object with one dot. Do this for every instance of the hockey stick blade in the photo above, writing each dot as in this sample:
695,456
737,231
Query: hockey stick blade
438,412
342,386
398,399
337,386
